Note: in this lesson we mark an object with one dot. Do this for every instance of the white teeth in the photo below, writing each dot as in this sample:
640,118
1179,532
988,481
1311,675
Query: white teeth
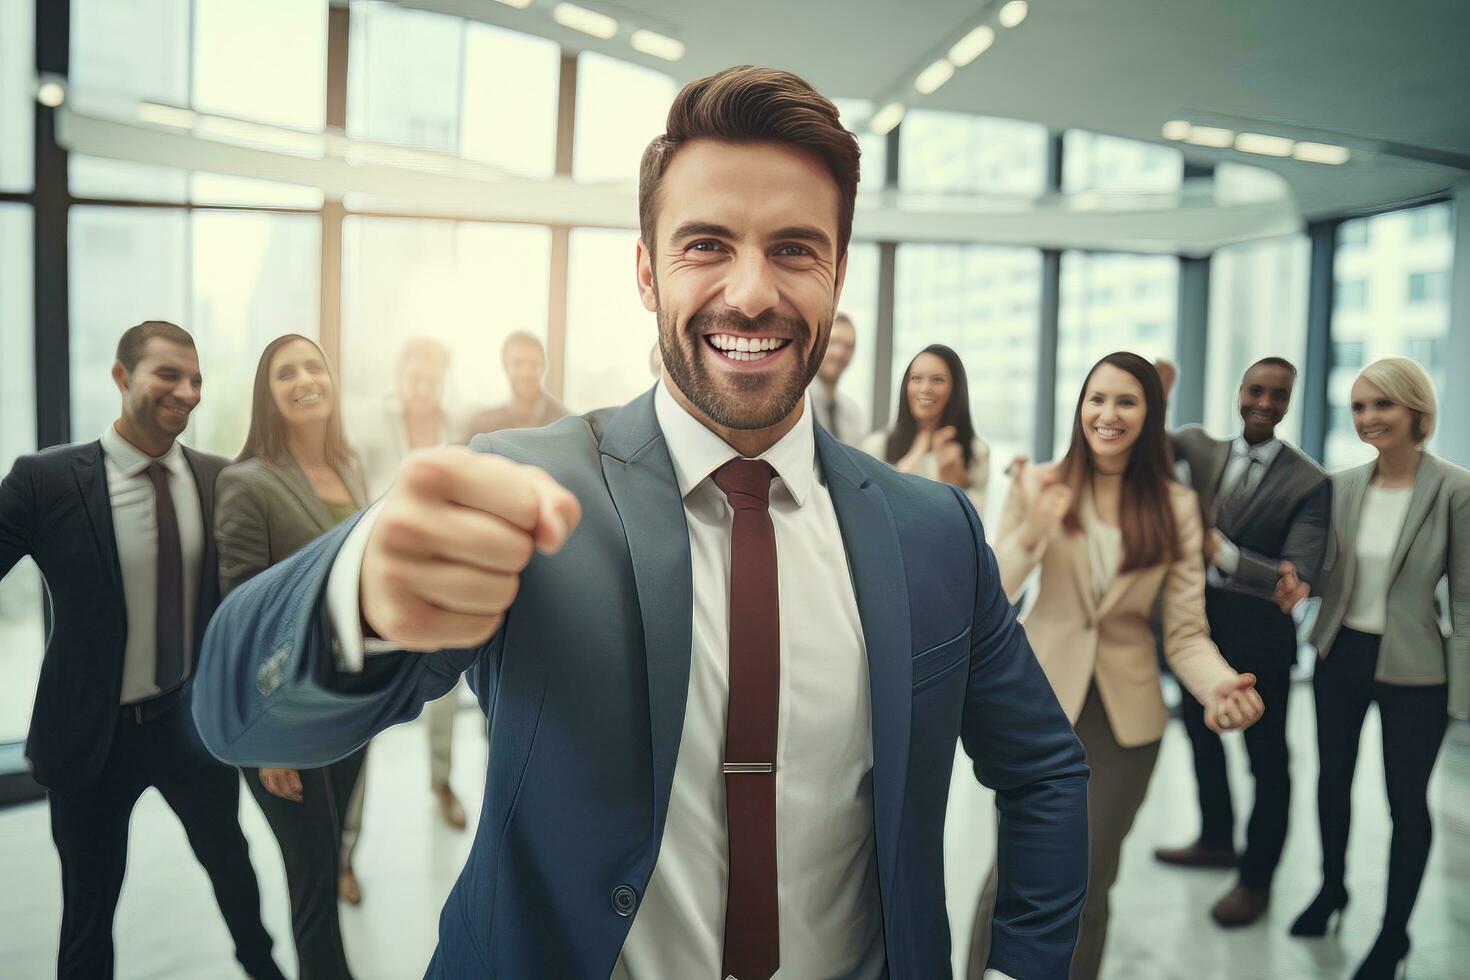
731,346
1107,433
742,344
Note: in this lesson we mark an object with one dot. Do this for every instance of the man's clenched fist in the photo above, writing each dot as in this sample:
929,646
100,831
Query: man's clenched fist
443,561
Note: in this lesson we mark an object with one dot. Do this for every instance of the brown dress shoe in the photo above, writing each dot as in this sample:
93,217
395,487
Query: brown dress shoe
1198,856
1240,906
348,890
449,807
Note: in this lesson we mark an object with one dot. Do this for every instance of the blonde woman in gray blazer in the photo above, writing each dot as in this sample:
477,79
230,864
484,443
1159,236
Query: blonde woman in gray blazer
294,481
1401,527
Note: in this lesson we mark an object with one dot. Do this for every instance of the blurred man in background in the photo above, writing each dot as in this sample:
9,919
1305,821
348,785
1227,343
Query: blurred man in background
531,405
837,412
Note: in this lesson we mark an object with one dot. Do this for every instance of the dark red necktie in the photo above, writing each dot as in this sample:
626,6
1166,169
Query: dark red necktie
752,925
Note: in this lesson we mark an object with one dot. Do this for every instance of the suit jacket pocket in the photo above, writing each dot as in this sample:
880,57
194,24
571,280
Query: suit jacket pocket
940,659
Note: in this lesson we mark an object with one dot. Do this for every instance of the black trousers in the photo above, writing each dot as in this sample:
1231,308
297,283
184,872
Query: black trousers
1414,721
310,835
90,827
1253,636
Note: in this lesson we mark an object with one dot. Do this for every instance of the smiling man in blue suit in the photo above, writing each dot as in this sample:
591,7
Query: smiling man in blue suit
725,659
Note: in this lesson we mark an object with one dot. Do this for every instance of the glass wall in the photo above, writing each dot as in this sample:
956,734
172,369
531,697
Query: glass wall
467,284
609,333
22,638
860,302
620,108
1392,289
1258,308
1094,162
17,81
985,302
234,280
404,76
953,153
1110,302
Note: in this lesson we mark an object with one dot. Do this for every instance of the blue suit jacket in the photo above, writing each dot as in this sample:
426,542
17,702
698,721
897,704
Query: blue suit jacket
584,687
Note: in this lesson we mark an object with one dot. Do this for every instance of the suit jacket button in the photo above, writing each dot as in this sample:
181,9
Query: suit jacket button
624,900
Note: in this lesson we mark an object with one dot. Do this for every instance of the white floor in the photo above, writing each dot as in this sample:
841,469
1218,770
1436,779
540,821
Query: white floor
168,925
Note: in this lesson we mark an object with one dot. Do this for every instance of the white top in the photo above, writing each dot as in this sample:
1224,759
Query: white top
382,442
849,425
1104,550
1379,527
979,472
135,531
831,917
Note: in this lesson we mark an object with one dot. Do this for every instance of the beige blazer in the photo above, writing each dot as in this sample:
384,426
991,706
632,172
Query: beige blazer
979,472
1421,645
265,511
1078,640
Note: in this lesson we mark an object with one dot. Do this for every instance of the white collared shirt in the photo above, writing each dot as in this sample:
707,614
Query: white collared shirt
135,531
1241,453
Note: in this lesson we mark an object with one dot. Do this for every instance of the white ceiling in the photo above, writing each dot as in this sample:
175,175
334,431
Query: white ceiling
1389,80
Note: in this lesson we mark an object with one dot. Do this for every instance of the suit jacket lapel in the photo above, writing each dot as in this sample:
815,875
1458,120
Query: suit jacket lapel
1081,564
1277,473
90,470
291,474
1209,488
640,478
1426,489
875,562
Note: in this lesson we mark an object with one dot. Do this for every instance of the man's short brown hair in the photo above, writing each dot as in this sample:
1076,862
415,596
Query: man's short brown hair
753,105
134,341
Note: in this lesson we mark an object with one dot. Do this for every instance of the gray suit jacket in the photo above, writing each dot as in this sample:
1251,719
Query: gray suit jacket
1287,518
265,511
1421,645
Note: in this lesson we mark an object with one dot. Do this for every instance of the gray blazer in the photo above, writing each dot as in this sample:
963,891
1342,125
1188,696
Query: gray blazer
265,511
1420,645
1287,517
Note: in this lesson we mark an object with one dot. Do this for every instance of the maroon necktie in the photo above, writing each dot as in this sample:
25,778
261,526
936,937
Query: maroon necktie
752,926
168,669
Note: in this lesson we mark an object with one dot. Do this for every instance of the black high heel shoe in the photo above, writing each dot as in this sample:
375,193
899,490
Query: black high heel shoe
1325,912
1385,960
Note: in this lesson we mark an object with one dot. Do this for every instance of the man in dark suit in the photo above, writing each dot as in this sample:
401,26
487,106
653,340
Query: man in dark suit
122,531
758,641
1268,507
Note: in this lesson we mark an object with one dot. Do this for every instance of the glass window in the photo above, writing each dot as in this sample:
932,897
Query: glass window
264,60
22,634
984,302
1429,287
609,333
1092,161
954,153
405,68
234,280
1258,308
255,276
517,134
17,82
621,107
1397,302
101,179
856,114
127,51
468,284
1104,310
127,265
1353,233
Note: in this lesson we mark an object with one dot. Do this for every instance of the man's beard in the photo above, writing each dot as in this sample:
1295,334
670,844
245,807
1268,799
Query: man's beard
743,400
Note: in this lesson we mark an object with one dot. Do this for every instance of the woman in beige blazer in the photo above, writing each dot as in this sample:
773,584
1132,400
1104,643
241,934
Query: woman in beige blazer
1401,528
1111,530
294,481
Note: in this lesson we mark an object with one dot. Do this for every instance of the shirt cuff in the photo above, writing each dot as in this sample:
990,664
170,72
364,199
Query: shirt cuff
344,612
997,975
1227,559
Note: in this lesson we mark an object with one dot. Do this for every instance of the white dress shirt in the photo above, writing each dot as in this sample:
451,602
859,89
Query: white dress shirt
135,531
1379,527
852,427
831,918
1241,454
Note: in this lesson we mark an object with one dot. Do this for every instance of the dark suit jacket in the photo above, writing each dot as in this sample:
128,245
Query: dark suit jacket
1287,518
54,506
266,511
585,685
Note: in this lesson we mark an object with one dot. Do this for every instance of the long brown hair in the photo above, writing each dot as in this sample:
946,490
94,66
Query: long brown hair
1145,513
267,435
